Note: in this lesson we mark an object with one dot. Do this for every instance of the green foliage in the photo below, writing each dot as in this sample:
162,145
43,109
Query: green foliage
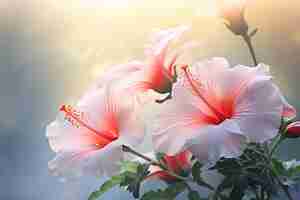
160,156
129,166
288,171
114,181
194,195
133,181
170,193
196,173
249,172
255,175
292,167
131,176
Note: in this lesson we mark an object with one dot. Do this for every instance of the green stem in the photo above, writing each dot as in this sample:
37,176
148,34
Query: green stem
127,149
284,188
274,147
153,162
276,144
248,41
167,170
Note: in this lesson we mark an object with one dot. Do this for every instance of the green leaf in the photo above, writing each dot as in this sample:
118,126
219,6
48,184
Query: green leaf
160,156
278,166
133,180
228,182
155,195
239,189
170,193
129,166
115,180
128,177
196,172
228,166
292,167
194,195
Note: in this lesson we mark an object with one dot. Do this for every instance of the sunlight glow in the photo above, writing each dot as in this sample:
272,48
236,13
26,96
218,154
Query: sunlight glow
234,2
209,9
105,3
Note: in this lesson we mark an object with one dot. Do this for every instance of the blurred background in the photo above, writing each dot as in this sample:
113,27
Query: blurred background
51,50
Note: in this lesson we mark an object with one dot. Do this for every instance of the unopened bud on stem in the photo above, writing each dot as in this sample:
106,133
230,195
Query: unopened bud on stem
293,130
232,11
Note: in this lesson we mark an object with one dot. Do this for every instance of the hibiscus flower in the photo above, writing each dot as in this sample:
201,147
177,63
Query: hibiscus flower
178,164
216,108
87,138
155,74
232,11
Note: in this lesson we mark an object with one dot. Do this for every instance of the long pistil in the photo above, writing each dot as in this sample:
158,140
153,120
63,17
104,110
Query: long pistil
219,115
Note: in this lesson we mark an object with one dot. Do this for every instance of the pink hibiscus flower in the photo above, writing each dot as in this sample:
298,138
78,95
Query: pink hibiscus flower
159,75
87,138
215,108
178,164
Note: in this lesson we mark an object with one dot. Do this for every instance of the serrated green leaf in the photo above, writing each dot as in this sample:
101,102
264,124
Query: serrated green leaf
129,166
228,166
239,188
160,156
278,166
194,195
170,193
155,195
228,182
292,167
128,177
107,185
132,181
176,188
196,172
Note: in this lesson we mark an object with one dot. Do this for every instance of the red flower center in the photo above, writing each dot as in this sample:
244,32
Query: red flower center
100,138
222,109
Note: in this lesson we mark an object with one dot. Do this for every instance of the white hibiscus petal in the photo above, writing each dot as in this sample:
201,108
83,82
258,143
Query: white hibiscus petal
214,142
259,110
91,162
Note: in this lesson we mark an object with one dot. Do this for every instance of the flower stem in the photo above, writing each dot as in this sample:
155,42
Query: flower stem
284,188
153,162
275,174
248,41
128,149
276,145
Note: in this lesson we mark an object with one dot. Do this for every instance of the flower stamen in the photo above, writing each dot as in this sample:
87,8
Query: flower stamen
70,112
221,117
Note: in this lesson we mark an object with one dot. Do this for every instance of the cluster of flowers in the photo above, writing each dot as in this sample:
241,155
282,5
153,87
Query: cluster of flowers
210,110
206,111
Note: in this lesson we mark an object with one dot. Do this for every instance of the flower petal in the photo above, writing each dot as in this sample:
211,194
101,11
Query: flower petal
161,40
288,110
93,146
70,164
114,73
220,84
177,121
216,141
259,110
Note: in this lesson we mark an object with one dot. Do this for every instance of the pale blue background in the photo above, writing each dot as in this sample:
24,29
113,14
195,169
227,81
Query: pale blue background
37,75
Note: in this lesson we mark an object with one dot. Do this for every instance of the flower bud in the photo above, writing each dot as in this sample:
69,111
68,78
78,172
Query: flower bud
178,164
293,130
232,11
